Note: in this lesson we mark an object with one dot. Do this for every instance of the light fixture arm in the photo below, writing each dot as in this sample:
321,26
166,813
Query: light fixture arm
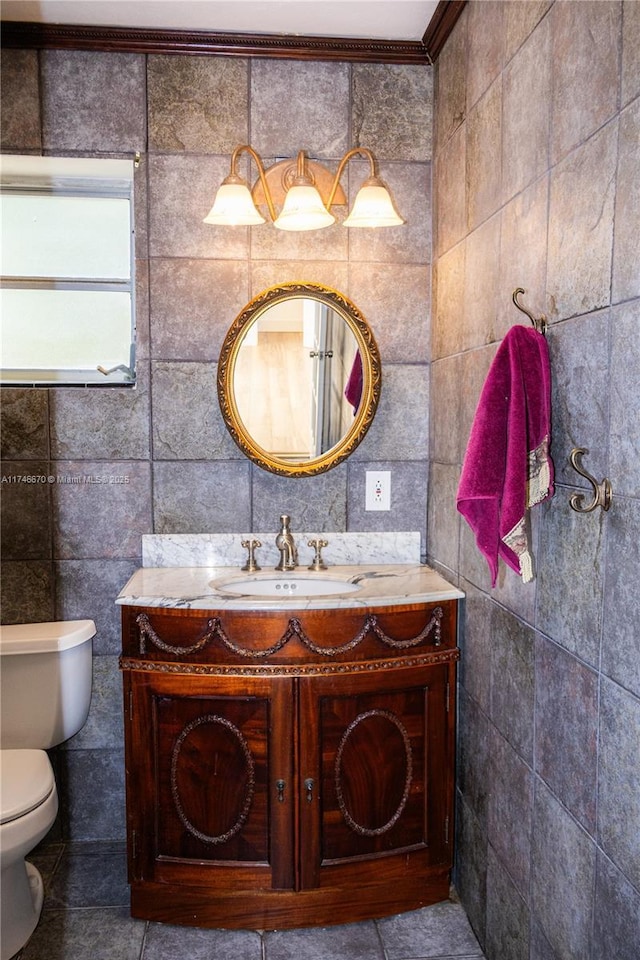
363,151
235,156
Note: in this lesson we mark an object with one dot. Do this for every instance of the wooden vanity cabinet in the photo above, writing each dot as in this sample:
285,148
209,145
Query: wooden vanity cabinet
312,789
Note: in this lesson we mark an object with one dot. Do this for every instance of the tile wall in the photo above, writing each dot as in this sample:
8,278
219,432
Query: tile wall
68,548
537,184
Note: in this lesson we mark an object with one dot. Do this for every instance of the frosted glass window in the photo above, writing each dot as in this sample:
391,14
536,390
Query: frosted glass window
93,243
67,271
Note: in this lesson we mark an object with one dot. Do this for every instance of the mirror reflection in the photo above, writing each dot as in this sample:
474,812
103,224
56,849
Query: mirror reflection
299,378
291,377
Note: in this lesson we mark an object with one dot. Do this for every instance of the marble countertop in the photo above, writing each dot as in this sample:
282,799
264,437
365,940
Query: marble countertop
202,588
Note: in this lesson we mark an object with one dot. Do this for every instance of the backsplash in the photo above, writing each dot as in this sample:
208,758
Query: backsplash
220,549
69,546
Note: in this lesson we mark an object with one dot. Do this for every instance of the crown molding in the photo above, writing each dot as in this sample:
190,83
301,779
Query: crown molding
45,36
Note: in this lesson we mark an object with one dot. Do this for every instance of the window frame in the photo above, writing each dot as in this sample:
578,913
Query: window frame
74,176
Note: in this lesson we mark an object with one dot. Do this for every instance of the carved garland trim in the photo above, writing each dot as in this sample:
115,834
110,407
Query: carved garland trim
285,670
223,837
357,827
215,630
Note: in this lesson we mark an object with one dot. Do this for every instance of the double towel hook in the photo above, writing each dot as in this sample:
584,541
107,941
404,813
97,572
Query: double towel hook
602,492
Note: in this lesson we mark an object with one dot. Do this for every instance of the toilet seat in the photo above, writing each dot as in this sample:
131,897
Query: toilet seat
26,778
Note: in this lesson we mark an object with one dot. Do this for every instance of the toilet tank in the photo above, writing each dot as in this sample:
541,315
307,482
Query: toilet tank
45,682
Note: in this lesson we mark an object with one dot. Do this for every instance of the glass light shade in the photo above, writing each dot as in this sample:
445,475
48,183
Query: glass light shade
234,207
373,207
303,210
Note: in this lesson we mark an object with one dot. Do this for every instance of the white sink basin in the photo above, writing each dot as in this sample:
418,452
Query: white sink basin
285,587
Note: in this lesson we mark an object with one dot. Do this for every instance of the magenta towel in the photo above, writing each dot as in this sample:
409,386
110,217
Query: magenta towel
507,467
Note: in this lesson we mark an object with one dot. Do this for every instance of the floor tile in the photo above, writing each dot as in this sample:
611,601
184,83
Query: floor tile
439,931
88,934
171,943
351,941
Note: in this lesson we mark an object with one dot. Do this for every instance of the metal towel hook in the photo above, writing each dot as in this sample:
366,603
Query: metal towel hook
539,323
602,492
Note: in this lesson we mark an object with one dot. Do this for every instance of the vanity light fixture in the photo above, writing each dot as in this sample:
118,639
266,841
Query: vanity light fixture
305,190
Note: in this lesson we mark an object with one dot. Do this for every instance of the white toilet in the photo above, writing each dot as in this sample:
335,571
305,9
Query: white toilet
45,678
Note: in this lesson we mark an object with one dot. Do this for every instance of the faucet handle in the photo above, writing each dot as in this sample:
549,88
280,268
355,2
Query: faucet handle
317,562
251,545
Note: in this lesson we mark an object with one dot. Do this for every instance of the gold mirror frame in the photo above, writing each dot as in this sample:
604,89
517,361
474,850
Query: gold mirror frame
371,378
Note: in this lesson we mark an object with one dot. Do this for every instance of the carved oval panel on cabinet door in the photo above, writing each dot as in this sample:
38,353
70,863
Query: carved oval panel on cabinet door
212,778
373,772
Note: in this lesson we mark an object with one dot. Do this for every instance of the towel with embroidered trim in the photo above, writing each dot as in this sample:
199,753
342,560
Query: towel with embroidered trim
507,466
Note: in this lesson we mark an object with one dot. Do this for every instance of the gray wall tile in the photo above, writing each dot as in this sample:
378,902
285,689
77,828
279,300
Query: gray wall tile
187,423
484,51
20,113
197,104
88,589
104,728
620,659
617,914
392,110
525,129
27,591
193,304
481,285
581,226
523,254
95,514
566,731
314,503
443,522
193,497
450,167
24,421
470,871
108,424
626,276
513,680
564,909
585,74
93,101
624,436
618,762
580,394
316,118
25,530
410,188
519,20
630,51
409,488
507,915
400,430
474,670
474,758
571,567
394,298
93,794
510,814
484,161
181,193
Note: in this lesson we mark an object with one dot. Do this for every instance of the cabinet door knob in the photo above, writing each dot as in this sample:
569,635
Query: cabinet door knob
280,785
309,785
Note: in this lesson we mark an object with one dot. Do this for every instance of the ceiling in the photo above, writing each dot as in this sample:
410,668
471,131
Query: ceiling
371,19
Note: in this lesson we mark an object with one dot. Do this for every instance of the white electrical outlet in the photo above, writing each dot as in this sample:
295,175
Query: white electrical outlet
378,490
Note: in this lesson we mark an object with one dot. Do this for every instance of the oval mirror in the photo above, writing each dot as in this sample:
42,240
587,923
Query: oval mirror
299,379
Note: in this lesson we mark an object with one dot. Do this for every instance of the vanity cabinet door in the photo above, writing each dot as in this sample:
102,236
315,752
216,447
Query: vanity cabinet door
376,776
204,755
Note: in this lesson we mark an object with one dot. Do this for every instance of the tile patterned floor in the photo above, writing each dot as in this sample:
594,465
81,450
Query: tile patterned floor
86,917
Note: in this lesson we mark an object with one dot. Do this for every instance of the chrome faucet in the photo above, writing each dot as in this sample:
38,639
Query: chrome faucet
286,546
